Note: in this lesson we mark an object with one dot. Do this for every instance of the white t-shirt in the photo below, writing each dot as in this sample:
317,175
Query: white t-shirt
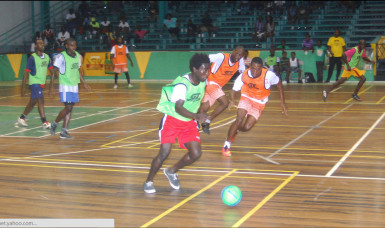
63,36
105,23
70,16
124,24
293,63
270,79
113,51
218,58
61,65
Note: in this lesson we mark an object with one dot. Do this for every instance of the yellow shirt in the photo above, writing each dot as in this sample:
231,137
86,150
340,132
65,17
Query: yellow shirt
336,44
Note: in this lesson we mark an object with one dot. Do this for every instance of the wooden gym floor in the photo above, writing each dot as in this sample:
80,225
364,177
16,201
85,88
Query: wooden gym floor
323,165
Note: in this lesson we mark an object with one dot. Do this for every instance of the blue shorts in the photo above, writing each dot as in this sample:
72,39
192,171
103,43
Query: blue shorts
294,69
36,91
69,97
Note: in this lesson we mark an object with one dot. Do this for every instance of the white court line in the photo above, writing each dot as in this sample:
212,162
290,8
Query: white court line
305,133
336,89
336,166
98,113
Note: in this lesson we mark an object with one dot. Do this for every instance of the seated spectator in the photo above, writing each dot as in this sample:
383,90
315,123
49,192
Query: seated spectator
272,62
139,34
95,27
152,11
285,65
282,46
207,25
124,29
259,31
191,31
295,67
303,13
48,35
270,28
104,25
111,37
308,44
293,13
71,22
62,36
86,24
172,25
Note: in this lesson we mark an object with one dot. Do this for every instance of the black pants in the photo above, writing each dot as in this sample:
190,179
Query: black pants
333,61
320,70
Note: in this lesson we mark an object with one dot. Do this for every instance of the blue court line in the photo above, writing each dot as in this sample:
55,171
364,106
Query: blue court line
110,136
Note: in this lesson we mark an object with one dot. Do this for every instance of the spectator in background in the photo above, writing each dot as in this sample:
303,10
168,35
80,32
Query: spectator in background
124,29
86,23
48,35
272,61
307,44
83,9
282,46
270,28
259,31
37,36
95,27
279,7
285,66
247,59
293,13
111,37
172,25
139,34
71,22
62,36
104,25
152,11
336,47
320,59
207,25
191,30
303,13
295,67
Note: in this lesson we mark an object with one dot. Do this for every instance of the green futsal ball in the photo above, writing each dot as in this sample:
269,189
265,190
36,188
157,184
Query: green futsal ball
231,195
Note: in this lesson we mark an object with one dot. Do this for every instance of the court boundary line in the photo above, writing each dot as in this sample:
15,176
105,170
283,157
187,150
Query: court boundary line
350,99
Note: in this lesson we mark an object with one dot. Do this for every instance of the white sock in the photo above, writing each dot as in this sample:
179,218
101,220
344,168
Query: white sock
228,144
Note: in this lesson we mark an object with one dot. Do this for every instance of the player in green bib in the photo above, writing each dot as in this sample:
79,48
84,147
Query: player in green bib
36,73
351,58
180,102
68,68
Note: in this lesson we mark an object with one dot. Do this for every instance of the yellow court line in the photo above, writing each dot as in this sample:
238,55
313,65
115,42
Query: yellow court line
187,199
359,94
267,198
105,145
378,102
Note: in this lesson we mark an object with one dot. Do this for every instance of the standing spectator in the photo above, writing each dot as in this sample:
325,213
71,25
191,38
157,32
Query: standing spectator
191,31
270,28
62,36
285,66
320,60
48,35
71,22
351,59
295,67
272,61
119,54
139,34
336,47
124,29
172,25
68,68
307,44
259,32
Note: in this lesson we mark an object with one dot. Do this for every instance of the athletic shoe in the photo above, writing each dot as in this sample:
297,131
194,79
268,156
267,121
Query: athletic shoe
324,95
115,86
226,151
46,125
148,187
22,122
206,128
65,135
130,86
53,129
172,178
356,97
300,81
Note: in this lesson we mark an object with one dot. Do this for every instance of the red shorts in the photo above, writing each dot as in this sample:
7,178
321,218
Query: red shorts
212,93
172,128
253,108
120,68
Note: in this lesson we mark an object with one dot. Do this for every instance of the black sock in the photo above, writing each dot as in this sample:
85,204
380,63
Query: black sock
22,116
43,119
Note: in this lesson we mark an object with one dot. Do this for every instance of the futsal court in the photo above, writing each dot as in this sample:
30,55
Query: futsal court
323,165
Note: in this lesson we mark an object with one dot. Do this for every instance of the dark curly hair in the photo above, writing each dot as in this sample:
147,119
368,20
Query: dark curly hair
197,60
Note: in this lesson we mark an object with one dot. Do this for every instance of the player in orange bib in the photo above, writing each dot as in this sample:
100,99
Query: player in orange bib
223,67
119,55
254,85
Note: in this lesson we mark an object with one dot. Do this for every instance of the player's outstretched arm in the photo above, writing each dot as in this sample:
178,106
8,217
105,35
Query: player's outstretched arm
282,96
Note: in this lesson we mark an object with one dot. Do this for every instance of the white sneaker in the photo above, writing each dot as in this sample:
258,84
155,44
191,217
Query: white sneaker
46,125
115,86
130,86
22,122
